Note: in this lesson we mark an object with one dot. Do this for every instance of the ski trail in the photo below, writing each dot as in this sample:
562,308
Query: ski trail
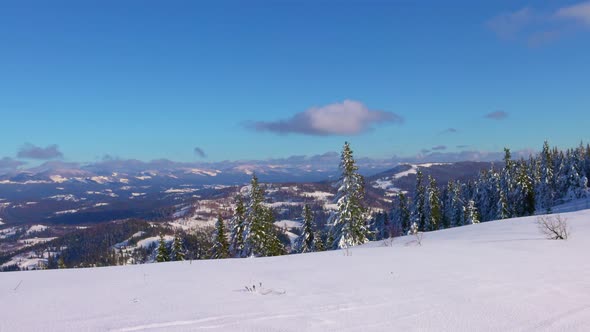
177,323
220,321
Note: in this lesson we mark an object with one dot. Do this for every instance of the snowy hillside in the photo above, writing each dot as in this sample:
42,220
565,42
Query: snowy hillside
500,276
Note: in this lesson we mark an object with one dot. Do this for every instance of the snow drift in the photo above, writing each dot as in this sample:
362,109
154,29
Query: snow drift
495,276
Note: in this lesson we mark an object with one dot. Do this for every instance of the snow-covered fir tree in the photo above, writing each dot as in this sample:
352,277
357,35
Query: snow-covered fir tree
319,241
349,221
432,210
524,191
260,234
163,254
404,215
306,242
419,202
177,253
545,191
272,245
471,214
238,222
220,243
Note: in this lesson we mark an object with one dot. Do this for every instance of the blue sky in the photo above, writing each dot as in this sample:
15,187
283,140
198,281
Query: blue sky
253,80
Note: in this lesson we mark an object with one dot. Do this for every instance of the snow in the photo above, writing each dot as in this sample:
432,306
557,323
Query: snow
288,224
101,179
100,204
36,229
494,276
203,172
575,205
146,243
36,240
58,178
319,195
427,165
275,205
67,197
180,191
412,170
66,212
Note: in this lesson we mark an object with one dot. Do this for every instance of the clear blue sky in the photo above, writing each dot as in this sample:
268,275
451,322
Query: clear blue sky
155,79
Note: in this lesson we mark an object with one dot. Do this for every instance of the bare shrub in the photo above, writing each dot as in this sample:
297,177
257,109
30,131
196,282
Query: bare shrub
388,242
418,236
553,227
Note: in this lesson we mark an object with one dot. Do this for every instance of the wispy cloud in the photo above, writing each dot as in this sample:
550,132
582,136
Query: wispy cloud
537,27
439,148
508,25
30,151
347,118
579,12
199,152
7,164
497,115
449,131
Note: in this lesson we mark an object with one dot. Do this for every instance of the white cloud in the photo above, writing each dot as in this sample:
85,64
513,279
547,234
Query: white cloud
579,12
347,118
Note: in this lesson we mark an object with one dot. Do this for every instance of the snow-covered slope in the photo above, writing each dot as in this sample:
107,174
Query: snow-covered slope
496,276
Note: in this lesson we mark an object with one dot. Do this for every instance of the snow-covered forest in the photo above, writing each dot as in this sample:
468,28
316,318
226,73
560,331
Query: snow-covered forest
515,188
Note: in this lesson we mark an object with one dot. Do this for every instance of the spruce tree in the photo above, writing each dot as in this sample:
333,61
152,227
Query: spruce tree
471,214
271,245
419,202
237,244
255,233
349,221
307,238
177,249
433,206
318,241
220,246
162,252
60,263
545,192
524,197
404,213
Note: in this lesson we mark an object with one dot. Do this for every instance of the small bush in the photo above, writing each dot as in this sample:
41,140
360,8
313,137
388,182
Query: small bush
553,227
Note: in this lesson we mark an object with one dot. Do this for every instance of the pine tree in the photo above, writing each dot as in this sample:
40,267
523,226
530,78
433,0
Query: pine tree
256,232
404,213
349,222
524,197
237,243
545,192
458,208
419,202
433,212
471,213
162,251
177,250
318,241
307,238
220,246
272,245
60,263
